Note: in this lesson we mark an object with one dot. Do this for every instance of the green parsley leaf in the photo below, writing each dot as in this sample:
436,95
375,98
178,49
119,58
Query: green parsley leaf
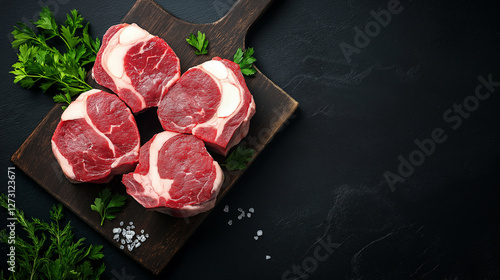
47,66
48,249
239,158
107,204
245,60
47,22
200,43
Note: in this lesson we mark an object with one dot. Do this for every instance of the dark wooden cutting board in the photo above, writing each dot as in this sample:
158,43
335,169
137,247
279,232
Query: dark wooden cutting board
167,234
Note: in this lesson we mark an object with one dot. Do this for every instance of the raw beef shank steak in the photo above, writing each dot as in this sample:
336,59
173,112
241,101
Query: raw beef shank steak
210,101
175,175
96,138
136,65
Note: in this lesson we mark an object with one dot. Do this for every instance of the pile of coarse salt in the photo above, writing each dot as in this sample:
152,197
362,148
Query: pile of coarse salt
127,236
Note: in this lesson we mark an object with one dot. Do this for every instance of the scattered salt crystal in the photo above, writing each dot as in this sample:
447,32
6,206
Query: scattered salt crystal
226,208
121,223
239,209
259,232
137,245
251,210
240,217
117,230
142,231
123,241
249,215
255,237
147,235
131,223
121,247
268,257
230,222
116,237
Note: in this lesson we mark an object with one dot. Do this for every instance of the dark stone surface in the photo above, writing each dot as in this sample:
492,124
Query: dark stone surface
319,191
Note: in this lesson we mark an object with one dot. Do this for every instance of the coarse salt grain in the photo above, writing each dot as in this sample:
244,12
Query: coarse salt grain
251,210
259,232
230,222
226,208
130,238
268,257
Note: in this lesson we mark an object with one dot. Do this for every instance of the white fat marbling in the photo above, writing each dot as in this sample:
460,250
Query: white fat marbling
216,68
131,34
159,185
115,60
229,101
77,109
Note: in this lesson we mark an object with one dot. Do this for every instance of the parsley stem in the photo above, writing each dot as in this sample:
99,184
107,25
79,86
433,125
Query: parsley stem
33,268
83,86
65,42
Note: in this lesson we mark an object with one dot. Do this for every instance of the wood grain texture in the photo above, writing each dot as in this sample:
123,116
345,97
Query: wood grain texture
167,234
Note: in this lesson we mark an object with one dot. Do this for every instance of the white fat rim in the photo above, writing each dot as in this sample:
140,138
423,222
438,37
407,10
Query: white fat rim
216,120
122,81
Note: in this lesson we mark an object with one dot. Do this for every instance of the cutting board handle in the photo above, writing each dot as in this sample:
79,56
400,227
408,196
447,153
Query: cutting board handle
243,14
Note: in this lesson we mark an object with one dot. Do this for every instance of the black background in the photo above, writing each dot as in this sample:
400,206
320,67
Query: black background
321,180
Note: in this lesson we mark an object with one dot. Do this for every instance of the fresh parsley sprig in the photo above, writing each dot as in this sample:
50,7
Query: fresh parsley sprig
200,42
42,64
107,204
245,59
55,257
239,158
